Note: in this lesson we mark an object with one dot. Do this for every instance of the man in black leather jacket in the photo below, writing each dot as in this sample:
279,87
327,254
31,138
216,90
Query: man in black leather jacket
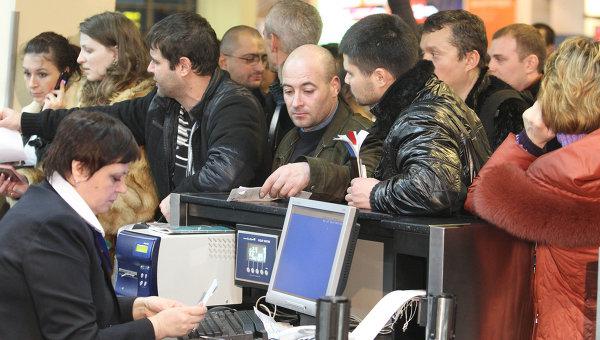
434,145
202,131
455,41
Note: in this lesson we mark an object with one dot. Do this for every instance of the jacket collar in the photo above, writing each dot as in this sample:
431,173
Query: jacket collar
331,130
66,191
216,78
400,95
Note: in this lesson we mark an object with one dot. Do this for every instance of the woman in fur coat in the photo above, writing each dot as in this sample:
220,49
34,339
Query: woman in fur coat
553,199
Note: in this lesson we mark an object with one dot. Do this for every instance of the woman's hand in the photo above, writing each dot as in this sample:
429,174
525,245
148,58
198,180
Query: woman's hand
144,307
10,119
177,321
536,129
56,99
13,188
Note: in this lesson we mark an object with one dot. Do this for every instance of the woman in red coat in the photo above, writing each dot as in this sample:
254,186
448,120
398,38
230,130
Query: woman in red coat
553,198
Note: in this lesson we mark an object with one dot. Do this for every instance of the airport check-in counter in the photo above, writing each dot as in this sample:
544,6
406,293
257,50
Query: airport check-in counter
477,278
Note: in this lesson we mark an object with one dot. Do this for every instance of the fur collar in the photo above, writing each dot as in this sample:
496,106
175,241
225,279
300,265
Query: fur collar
399,96
535,211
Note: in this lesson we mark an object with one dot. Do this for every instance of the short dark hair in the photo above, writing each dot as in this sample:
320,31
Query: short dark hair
529,41
231,38
58,49
381,40
468,32
186,35
93,138
548,35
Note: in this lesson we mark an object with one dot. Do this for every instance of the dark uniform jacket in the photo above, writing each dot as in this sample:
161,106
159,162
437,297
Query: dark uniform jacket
508,116
331,168
434,146
52,282
229,145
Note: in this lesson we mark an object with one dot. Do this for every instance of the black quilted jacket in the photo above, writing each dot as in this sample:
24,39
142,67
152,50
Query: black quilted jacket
434,145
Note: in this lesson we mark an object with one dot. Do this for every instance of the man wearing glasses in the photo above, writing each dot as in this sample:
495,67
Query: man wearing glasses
242,54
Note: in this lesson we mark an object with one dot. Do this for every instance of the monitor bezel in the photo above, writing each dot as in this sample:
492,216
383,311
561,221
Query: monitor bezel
306,305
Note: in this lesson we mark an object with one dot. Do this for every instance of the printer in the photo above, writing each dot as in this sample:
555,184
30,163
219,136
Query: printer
178,263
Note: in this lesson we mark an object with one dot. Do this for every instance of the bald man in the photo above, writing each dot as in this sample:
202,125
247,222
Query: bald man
308,158
243,55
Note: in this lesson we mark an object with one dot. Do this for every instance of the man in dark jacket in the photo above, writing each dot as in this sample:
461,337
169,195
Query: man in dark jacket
202,131
243,56
434,145
308,157
288,25
455,41
518,54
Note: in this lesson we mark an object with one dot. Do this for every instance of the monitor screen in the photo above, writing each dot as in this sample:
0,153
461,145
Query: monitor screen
314,254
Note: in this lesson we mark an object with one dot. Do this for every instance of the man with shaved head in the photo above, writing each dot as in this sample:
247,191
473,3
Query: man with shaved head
243,56
308,158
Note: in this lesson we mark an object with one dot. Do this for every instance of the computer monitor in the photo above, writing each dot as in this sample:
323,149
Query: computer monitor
314,256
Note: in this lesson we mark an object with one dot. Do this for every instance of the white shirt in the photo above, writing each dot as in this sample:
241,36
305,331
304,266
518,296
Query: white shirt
73,199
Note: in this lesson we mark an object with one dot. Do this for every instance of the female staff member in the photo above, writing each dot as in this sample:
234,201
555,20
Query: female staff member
54,267
553,199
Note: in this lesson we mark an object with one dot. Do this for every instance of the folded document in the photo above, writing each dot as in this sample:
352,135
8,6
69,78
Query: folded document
243,194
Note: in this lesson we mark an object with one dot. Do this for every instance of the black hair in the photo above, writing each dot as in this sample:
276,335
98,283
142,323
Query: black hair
381,40
93,138
58,49
186,35
468,32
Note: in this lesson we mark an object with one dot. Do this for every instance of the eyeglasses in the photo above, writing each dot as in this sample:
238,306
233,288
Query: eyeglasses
251,59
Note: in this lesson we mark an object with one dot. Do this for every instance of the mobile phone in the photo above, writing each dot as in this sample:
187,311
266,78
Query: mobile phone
63,76
209,292
9,172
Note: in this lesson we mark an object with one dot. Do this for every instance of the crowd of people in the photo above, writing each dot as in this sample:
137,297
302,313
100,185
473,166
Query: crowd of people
507,132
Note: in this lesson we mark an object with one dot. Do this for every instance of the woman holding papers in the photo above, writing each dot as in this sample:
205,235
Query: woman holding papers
54,266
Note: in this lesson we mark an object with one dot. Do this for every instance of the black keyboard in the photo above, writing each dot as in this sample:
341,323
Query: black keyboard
228,324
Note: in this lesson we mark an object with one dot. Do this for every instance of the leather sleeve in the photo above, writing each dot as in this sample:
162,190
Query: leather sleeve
427,176
131,112
235,151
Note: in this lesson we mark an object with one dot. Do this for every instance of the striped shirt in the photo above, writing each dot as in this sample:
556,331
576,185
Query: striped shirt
184,126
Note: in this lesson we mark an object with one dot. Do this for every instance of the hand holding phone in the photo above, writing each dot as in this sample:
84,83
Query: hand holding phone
55,99
12,183
62,77
209,292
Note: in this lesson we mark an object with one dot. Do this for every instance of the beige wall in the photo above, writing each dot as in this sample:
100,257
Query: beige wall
61,16
224,14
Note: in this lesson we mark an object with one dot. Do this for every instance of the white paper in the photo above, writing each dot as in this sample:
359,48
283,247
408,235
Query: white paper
382,312
243,194
11,146
272,327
